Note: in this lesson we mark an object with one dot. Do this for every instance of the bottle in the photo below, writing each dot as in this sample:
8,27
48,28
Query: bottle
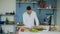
7,21
1,30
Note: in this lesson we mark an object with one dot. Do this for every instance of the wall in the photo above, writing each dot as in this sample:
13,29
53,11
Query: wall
7,6
41,14
58,12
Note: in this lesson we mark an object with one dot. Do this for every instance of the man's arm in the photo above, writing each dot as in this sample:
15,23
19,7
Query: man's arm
36,20
24,20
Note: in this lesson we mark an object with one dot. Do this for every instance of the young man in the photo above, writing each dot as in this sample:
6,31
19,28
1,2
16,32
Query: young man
28,18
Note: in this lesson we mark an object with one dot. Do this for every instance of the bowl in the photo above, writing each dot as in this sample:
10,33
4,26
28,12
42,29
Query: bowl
1,22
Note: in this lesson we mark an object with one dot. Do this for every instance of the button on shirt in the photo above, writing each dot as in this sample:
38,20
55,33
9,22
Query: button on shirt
28,20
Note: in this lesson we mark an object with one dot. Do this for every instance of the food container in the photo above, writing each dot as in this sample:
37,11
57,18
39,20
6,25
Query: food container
23,0
50,6
42,6
11,22
1,22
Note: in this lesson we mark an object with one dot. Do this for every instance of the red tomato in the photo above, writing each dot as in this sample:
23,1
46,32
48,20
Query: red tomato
22,30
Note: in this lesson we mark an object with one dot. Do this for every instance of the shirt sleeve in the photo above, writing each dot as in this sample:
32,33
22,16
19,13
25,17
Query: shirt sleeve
36,20
24,20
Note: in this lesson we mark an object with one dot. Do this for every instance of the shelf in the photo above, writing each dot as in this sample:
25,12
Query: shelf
6,15
28,2
47,8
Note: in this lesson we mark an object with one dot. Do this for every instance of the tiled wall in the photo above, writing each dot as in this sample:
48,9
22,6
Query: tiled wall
20,10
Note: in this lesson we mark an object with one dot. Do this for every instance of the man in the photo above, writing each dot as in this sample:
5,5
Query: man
28,18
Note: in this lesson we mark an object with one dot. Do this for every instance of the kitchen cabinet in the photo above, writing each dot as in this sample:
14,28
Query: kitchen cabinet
8,28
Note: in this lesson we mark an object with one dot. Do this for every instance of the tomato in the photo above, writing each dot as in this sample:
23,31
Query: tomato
22,30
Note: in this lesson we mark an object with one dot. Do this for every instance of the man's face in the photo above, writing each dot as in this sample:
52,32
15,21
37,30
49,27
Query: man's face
29,12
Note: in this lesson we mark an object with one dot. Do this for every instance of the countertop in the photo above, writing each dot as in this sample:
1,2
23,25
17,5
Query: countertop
41,32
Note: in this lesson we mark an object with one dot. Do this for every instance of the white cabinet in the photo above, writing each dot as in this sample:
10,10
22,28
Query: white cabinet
8,28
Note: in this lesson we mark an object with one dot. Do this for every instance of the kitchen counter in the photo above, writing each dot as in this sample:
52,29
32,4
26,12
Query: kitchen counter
41,32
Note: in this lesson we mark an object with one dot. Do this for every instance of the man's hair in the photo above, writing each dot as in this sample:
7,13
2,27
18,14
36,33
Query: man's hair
28,8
